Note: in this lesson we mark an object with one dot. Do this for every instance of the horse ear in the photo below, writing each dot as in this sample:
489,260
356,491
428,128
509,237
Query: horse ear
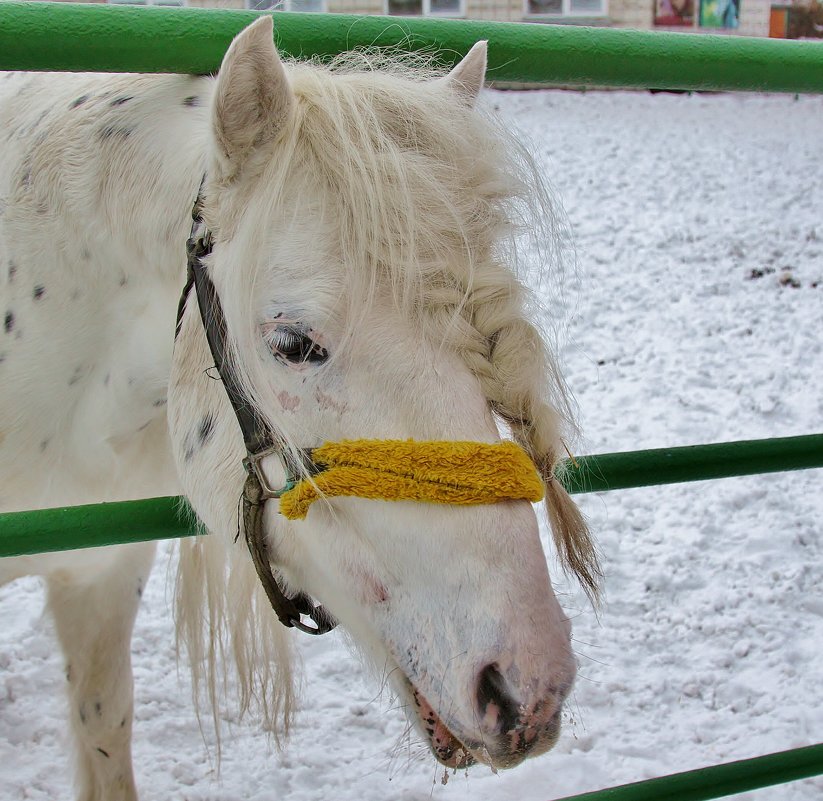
466,79
252,99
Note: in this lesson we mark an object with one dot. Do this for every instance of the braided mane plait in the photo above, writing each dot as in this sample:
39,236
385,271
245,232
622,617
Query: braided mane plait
524,389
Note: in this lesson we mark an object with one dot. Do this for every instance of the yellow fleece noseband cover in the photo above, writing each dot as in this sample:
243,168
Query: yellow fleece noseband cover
405,470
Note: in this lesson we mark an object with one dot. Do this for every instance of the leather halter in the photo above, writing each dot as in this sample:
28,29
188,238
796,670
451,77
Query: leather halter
259,440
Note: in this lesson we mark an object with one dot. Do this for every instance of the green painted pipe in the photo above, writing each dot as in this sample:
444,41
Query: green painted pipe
164,518
612,471
95,37
719,780
93,525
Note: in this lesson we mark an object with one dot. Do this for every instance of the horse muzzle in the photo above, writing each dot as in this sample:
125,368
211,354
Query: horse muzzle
505,730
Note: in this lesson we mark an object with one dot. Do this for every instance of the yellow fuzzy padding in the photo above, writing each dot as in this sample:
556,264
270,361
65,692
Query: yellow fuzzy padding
439,472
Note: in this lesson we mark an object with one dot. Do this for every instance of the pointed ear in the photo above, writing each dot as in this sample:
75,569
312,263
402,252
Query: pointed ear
253,99
466,79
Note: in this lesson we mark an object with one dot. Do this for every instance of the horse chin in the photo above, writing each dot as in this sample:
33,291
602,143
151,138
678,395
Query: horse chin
448,750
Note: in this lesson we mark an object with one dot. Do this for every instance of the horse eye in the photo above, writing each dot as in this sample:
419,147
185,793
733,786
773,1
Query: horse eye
295,345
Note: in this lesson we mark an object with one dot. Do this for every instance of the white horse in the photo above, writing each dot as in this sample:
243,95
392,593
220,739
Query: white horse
360,220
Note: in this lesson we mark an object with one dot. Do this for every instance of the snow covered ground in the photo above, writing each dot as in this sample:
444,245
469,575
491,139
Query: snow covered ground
698,318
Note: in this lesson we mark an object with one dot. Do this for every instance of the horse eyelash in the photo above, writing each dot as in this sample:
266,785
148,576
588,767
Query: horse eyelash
280,334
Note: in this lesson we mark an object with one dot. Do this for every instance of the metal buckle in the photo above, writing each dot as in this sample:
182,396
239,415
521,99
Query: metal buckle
293,469
252,465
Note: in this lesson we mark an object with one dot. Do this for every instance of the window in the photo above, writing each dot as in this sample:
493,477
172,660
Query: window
566,8
315,6
425,8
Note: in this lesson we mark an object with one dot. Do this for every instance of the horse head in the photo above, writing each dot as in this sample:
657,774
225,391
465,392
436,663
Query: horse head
358,221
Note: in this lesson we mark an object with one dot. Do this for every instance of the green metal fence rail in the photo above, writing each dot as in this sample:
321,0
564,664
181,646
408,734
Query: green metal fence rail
164,518
718,780
67,36
612,471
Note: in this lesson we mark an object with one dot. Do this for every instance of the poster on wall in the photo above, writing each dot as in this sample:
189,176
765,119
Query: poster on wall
719,13
674,12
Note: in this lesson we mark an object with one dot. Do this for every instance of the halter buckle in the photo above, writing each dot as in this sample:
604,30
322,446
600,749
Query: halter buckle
294,469
252,465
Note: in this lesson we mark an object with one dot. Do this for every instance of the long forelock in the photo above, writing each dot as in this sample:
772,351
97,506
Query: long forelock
431,197
422,183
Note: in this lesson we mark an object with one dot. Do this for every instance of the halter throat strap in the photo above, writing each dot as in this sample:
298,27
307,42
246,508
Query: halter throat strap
260,442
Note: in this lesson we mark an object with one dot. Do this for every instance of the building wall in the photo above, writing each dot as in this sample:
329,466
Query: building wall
216,3
355,6
500,10
754,17
638,14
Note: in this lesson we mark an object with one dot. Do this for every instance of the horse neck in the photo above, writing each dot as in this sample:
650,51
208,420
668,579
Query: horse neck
99,176
120,158
151,213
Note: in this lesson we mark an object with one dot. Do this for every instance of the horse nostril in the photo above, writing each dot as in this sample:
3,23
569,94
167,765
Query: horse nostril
499,711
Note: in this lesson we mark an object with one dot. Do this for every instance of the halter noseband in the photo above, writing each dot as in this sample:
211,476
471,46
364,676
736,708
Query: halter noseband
260,442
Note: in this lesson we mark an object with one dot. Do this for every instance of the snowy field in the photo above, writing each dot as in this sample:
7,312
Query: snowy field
697,316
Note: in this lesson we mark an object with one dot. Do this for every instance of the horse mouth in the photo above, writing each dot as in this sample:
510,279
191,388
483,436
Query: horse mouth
447,749
506,743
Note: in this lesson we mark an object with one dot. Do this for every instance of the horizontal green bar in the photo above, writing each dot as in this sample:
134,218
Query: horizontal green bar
612,471
98,37
719,780
164,518
93,525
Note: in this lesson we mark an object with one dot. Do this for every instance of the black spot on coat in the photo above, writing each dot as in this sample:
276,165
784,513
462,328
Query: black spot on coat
38,292
119,101
8,324
43,115
206,429
114,132
76,375
79,101
192,101
198,437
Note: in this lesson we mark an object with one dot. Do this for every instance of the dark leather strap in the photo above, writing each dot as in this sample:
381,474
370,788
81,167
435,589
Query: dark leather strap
256,434
288,610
